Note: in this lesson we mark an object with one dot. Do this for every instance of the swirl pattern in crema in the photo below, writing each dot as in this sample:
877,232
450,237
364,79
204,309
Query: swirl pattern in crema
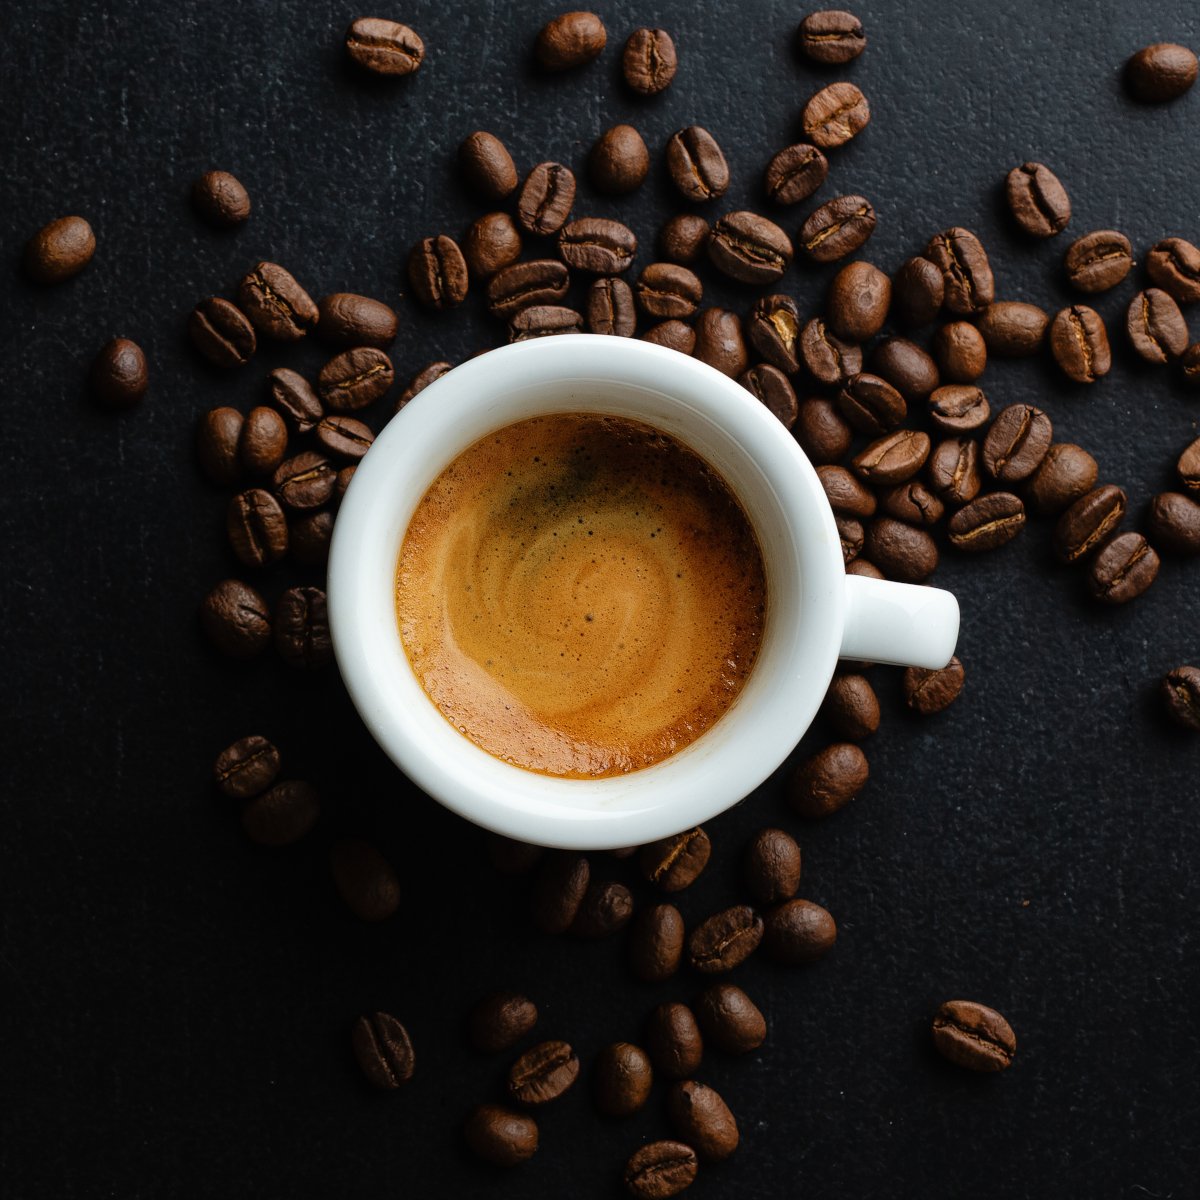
581,596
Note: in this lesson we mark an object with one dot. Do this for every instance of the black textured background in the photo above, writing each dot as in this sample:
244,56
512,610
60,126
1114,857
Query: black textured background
177,1001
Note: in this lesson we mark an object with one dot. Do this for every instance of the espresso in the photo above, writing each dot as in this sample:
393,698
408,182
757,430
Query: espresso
581,596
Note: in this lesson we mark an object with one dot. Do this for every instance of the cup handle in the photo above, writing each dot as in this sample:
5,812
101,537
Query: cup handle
898,623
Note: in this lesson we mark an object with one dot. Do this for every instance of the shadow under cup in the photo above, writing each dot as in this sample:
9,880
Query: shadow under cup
750,450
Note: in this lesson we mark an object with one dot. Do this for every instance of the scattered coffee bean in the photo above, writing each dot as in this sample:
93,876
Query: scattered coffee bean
512,857
437,272
1038,201
673,1041
867,570
222,333
247,767
220,199
598,245
871,404
851,535
772,864
845,492
774,328
500,1020
828,780
649,62
304,481
1188,467
675,335
344,437
831,36
725,939
622,1079
660,1170
1162,72
500,1136
383,1050
959,408
119,377
543,1073
795,173
829,359
610,307
558,891
262,442
604,909
973,1036
59,250
656,943
1066,473
546,199
918,291
344,476
1124,567
278,307
821,432
682,238
492,243
770,386
295,398
797,932
893,458
960,351
1098,260
835,114
1189,363
365,880
1017,442
700,1117
839,227
954,470
675,863
348,320
355,378
906,367
1088,521
1174,265
521,285
487,166
730,1020
852,709
966,272
859,297
570,40
666,290
309,535
1013,329
1155,326
282,815
619,161
384,47
928,691
987,522
235,618
719,341
257,528
697,165
912,502
543,320
1173,523
1181,696
900,550
749,248
1079,343
302,628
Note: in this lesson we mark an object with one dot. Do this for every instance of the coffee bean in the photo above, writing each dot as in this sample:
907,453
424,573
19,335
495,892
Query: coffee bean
928,691
771,866
622,1079
365,880
1088,521
656,943
958,408
700,1117
954,470
821,432
355,378
1173,523
852,709
666,290
384,47
1079,343
610,307
257,528
558,891
235,618
675,863
749,248
831,36
1017,442
900,550
851,536
871,404
986,523
570,40
730,1020
1012,329
696,164
835,114
1098,260
1066,473
960,351
798,932
682,239
770,385
649,61
829,359
282,815
437,272
59,250
262,442
719,341
247,767
492,243
383,1050
346,319
846,494
839,227
543,1073
828,780
344,437
966,272
119,376
1188,467
660,1170
858,301
1189,363
1124,567
304,481
973,1036
918,291
774,328
673,1041
1174,265
1162,72
619,161
500,1136
604,909
500,1020
487,166
512,857
523,284
893,458
1181,696
867,570
675,335
906,367
309,535
344,476
546,198
222,333
295,398
302,628
725,939
598,245
1037,200
912,502
220,199
1155,326
795,173
543,320
278,307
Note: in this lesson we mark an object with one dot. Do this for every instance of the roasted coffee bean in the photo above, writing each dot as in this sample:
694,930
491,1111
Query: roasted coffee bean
346,319
697,165
1188,467
893,458
383,1050
295,398
831,36
262,442
798,932
622,1079
649,61
523,284
487,166
749,248
344,437
835,114
276,304
1155,326
973,1036
719,341
839,227
907,367
546,199
220,199
928,691
1173,523
304,481
852,708
683,238
1174,265
1181,696
500,1020
1013,329
702,1119
437,272
1017,442
987,523
619,161
730,1020
235,618
774,328
954,470
725,939
1162,72
59,250
871,404
660,1170
1124,567
1037,200
302,628
672,1039
492,243
966,272
365,880
656,943
917,292
500,1136
543,320
309,535
344,476
384,47
1079,343
355,378
900,550
960,351
257,528
610,307
222,333
119,376
558,891
1088,521
770,385
858,301
771,867
604,909
795,173
543,1073
829,359
1189,363
851,535
598,245
570,40
675,335
512,857
912,502
1066,473
846,494
821,432
1098,260
959,408
868,570
675,863
282,815
666,290
247,767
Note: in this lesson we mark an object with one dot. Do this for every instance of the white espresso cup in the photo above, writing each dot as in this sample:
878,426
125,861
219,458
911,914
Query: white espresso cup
815,612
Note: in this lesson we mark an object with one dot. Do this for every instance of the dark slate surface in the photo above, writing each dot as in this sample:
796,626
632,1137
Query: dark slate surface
177,1002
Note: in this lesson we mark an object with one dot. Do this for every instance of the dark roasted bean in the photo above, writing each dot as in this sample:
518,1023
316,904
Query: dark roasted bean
355,378
622,1079
1013,329
294,397
217,437
1037,200
675,863
1088,521
282,815
771,866
851,535
543,320
893,458
421,380
500,1020
835,114
257,528
871,404
697,165
673,1041
347,319
954,470
492,243
1173,523
846,493
719,341
959,408
1189,363
831,36
543,1073
220,199
304,481
437,272
749,248
1181,696
119,377
821,432
900,550
987,522
906,367
598,245
610,307
928,691
365,880
546,199
302,628
699,1116
795,173
262,442
1066,473
276,304
660,1170
912,502
1016,443
648,61
798,932
619,161
500,1136
235,619
1079,342
570,40
973,1036
344,476
725,939
309,535
683,237
604,909
487,166
222,333
730,1020
839,227
859,297
1155,326
960,351
966,272
770,385
1124,567
1188,467
247,767
523,284
384,47
666,290
868,570
383,1050
59,250
344,437
829,359
1174,265
918,291
1162,72
1098,260
558,891
774,328
675,335
656,943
